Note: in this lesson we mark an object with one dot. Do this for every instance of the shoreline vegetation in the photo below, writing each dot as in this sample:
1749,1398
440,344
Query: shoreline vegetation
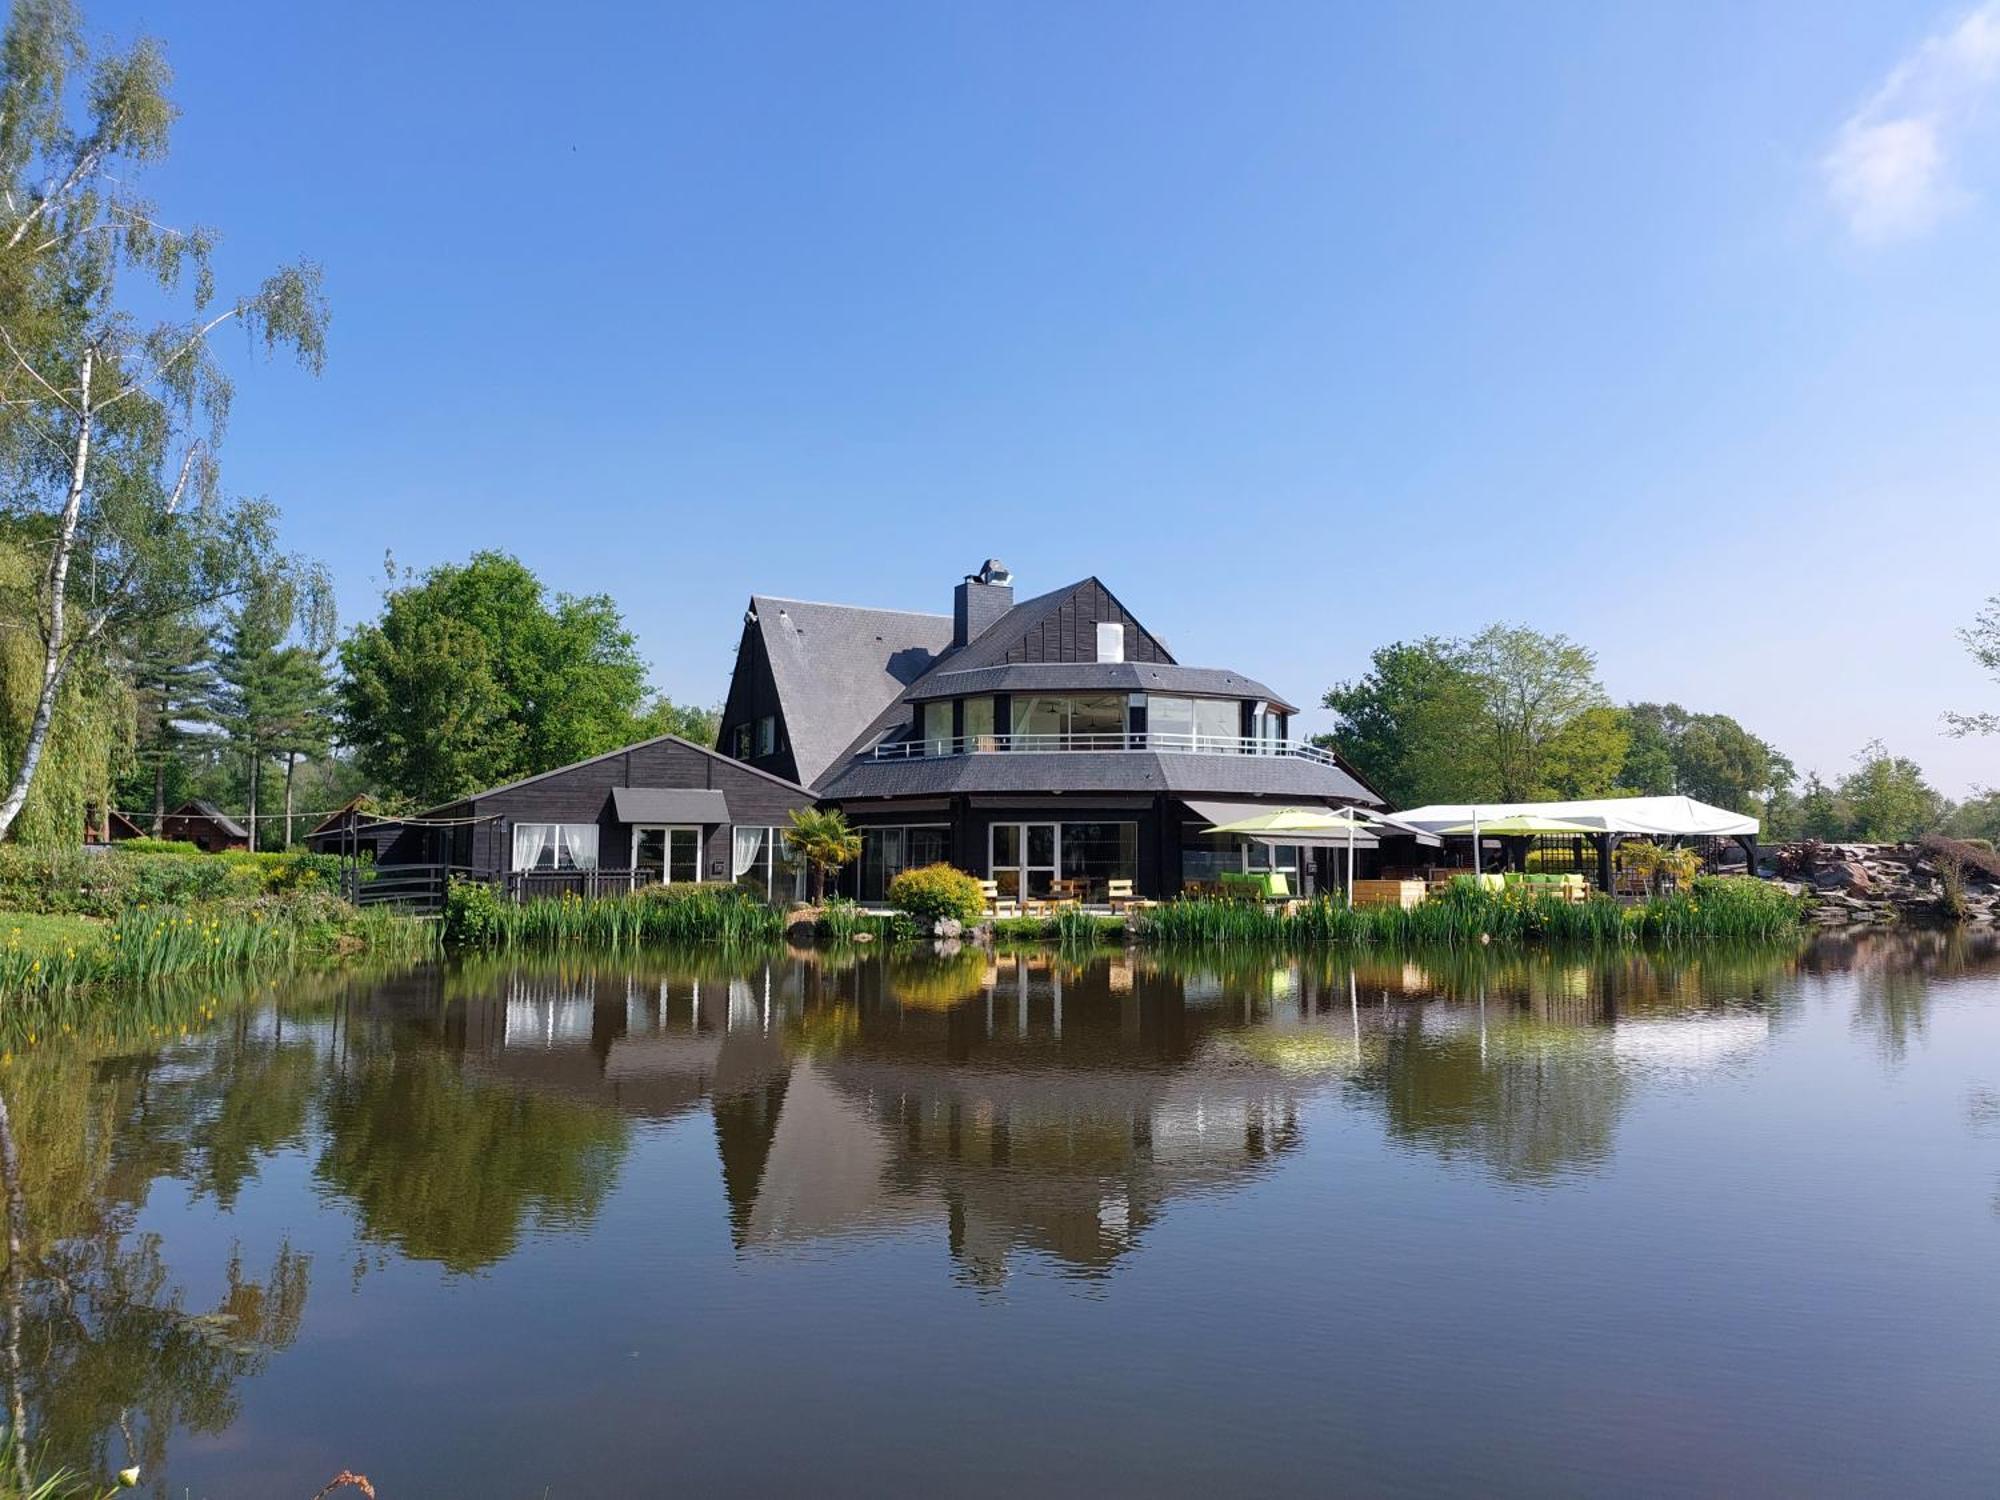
75,923
1714,907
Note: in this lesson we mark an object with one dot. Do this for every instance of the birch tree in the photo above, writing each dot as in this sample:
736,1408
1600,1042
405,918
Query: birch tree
110,418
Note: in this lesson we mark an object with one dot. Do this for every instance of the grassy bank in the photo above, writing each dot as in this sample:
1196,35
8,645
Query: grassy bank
477,917
42,955
1730,908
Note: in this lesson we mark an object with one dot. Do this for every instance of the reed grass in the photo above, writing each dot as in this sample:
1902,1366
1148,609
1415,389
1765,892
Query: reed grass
476,918
1716,908
146,944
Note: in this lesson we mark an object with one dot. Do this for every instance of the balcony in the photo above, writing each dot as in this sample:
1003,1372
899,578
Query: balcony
1101,744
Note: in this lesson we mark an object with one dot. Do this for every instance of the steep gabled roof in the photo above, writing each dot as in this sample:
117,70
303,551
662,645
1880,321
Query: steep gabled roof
836,666
589,760
200,807
989,648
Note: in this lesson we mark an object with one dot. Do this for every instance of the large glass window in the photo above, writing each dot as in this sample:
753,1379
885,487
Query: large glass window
764,864
1039,721
1172,719
1218,724
937,728
979,724
1097,854
665,854
887,852
1046,721
555,846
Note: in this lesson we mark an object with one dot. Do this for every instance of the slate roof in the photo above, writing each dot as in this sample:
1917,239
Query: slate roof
201,807
708,750
988,649
1286,776
950,680
836,666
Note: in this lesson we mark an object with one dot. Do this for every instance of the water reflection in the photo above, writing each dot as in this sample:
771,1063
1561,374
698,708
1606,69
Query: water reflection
1021,1110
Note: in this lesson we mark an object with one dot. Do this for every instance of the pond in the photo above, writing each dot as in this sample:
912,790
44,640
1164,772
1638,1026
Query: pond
1127,1224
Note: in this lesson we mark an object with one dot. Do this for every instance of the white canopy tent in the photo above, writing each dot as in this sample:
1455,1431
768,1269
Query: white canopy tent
1651,817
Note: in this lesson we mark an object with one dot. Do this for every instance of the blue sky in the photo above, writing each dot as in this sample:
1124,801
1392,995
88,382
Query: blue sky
1304,327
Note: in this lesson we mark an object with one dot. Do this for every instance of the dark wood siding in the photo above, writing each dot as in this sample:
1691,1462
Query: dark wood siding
582,794
1070,633
753,694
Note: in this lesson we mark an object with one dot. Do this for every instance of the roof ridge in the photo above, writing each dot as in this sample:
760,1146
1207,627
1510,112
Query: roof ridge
871,609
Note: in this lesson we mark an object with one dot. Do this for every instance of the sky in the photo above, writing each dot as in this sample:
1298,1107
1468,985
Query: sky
1305,327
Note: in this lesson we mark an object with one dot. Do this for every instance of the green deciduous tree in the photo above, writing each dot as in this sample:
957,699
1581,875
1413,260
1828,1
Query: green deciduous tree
1410,724
1885,798
1534,686
1982,639
664,716
475,675
109,418
1709,757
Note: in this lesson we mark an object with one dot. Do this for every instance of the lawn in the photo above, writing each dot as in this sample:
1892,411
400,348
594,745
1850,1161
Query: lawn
43,934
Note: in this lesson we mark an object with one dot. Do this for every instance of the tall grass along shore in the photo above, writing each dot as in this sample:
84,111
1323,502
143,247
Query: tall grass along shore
1726,907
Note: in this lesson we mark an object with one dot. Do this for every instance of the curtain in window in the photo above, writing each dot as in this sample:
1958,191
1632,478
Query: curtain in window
578,845
530,842
749,849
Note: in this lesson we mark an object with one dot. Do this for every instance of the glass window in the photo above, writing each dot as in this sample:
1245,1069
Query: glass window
1103,719
1099,853
1110,641
555,846
683,854
665,854
1218,724
1172,719
937,728
1006,843
1206,856
926,846
979,723
767,735
1260,856
742,741
750,863
1039,722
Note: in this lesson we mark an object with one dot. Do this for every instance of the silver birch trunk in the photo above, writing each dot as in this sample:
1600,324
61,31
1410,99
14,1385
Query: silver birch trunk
55,661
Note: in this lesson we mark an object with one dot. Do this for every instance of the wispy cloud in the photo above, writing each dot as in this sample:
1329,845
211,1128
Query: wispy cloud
1890,169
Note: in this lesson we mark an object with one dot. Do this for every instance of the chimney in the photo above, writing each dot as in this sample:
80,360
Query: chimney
980,601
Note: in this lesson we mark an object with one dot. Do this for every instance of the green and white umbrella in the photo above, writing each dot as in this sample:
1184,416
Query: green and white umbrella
1317,826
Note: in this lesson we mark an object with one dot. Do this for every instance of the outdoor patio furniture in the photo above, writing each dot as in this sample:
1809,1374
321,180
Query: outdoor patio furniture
998,905
1122,898
1406,894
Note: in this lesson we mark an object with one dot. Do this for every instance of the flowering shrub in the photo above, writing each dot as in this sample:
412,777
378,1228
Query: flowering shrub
935,892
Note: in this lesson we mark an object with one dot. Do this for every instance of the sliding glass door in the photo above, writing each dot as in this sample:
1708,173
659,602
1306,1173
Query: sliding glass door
669,855
1023,860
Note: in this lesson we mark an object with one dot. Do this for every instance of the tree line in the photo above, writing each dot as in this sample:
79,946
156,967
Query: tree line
1515,715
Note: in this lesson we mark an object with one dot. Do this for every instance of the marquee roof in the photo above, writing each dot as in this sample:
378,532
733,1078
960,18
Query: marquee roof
1659,817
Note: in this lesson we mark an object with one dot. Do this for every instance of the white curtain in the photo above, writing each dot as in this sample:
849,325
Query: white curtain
749,848
579,844
531,840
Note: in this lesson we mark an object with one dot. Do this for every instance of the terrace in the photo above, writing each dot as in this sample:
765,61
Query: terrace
1102,743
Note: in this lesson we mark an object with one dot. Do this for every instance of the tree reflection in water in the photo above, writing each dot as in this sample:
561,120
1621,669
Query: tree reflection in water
1018,1108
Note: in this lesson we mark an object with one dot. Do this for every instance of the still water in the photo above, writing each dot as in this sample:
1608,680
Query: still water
987,1226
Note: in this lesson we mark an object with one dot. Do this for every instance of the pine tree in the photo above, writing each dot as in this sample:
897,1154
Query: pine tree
251,665
171,665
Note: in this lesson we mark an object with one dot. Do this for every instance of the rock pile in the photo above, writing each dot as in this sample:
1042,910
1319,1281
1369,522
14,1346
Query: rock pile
1854,884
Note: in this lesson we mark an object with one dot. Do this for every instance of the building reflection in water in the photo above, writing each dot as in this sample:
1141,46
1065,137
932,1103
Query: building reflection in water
1028,1104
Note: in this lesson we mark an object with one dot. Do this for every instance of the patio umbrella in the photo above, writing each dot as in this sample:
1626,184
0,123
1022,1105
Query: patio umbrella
1519,825
1305,825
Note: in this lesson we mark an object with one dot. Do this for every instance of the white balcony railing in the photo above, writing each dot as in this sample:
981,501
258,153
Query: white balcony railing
1100,744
